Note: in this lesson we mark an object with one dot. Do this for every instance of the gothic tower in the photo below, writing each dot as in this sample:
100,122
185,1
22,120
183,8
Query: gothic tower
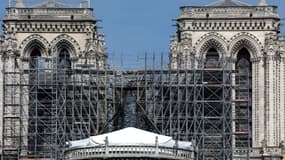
246,40
43,43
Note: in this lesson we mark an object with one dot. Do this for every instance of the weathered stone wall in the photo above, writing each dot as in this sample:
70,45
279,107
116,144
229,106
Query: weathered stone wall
228,30
48,30
51,26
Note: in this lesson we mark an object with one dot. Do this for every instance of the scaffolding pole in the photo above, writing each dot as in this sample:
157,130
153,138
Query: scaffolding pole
46,107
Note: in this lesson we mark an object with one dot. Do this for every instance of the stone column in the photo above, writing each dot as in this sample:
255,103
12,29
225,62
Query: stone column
269,98
12,95
282,98
271,104
233,63
1,92
257,101
277,98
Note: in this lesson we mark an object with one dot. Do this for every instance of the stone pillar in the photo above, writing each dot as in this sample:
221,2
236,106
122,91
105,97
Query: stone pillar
277,98
272,102
282,98
257,101
233,63
1,92
269,99
12,96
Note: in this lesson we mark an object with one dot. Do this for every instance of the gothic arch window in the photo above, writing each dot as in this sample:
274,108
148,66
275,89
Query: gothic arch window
212,58
243,64
35,58
64,61
243,93
37,95
63,52
34,51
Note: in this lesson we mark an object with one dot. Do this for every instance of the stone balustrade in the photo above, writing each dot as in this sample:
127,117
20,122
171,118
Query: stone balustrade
32,13
230,12
129,152
257,152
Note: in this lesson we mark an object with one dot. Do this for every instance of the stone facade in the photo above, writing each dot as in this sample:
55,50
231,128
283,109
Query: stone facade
229,27
49,28
226,34
44,35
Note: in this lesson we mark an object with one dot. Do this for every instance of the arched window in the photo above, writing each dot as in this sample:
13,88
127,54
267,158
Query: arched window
36,61
212,58
64,59
36,53
243,94
38,105
243,61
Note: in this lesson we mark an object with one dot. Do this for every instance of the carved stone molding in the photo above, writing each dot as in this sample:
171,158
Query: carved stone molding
211,40
32,41
256,59
245,40
70,42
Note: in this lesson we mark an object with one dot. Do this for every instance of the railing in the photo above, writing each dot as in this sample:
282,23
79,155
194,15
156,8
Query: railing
256,152
42,12
48,11
264,11
129,151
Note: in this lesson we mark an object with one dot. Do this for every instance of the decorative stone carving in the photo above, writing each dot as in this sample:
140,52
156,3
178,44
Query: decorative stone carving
211,40
229,29
72,44
32,40
245,40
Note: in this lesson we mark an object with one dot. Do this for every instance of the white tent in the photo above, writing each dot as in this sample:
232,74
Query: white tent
130,136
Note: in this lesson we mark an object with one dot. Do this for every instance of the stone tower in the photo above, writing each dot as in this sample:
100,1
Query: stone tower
245,39
41,39
53,26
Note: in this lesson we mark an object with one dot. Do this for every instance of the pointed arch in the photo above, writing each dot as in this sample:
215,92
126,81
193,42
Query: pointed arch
32,42
247,41
243,62
243,77
211,41
67,42
212,58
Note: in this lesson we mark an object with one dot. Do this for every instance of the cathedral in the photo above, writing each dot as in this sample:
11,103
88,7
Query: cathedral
224,89
246,39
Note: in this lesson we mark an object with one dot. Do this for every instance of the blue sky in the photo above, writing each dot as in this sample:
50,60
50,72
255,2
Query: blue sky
133,27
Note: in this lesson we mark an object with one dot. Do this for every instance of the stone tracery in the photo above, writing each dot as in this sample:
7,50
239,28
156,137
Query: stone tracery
211,40
68,42
31,42
245,40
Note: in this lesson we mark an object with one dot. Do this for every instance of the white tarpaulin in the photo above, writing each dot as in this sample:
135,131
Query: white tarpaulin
130,136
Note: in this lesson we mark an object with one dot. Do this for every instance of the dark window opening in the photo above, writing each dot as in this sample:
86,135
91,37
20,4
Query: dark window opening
243,97
36,61
212,58
243,61
39,110
64,59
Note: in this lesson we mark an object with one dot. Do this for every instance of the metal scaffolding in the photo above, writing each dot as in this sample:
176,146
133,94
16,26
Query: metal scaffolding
243,114
45,107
